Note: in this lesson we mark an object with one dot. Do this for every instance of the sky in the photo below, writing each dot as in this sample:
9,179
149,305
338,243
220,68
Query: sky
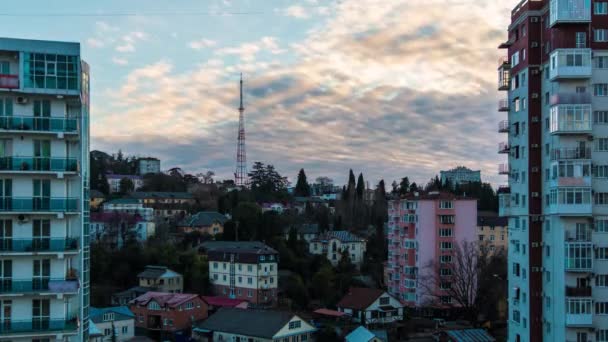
389,88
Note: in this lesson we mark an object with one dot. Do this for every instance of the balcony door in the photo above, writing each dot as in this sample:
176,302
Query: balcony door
41,235
6,275
5,314
42,155
6,235
42,194
42,113
6,112
6,194
41,314
42,274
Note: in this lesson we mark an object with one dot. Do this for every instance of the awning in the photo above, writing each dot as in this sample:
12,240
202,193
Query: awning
201,330
387,308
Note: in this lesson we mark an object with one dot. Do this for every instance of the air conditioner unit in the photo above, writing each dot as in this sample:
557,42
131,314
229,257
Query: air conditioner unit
535,194
21,100
533,19
535,72
22,219
534,145
535,169
534,44
534,95
535,119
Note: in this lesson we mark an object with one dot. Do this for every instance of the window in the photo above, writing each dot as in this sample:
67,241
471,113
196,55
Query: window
600,198
523,55
109,316
153,306
445,232
446,205
445,285
107,331
581,40
601,335
600,8
51,71
249,280
384,300
444,259
601,280
600,117
600,35
304,337
446,219
516,269
189,306
515,59
249,268
600,89
601,225
570,196
601,62
295,325
516,104
125,330
445,245
601,308
250,293
445,271
601,253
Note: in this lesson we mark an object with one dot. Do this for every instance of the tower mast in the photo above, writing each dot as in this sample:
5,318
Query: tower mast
240,176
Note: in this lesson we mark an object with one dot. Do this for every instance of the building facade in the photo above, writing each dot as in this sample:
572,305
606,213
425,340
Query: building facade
493,231
332,244
114,181
148,165
371,306
161,279
44,191
424,231
460,175
165,204
243,270
115,323
555,77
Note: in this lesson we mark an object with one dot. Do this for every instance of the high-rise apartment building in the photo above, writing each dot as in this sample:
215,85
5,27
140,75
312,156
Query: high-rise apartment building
44,172
556,78
424,231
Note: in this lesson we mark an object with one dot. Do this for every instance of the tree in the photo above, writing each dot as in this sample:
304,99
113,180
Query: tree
207,177
360,186
404,186
266,183
126,186
296,291
247,216
302,188
323,285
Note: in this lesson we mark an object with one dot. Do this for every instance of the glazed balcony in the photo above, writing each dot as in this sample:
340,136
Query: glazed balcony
503,147
38,164
504,204
504,73
39,124
574,291
584,235
503,105
11,245
42,285
570,98
503,126
571,153
579,312
38,204
504,169
570,64
9,81
571,119
578,256
570,11
38,326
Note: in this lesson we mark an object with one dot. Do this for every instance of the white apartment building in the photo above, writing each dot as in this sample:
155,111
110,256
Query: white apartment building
556,75
148,165
332,243
44,191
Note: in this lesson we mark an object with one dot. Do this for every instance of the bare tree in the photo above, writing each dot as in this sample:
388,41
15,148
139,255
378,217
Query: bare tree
207,177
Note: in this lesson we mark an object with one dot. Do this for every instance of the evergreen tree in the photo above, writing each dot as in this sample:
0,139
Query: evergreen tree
414,187
360,186
404,186
302,188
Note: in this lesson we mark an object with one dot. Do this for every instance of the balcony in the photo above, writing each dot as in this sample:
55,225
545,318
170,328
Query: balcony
504,204
9,81
38,164
503,105
570,64
503,147
8,245
38,204
38,124
571,153
503,126
578,256
503,169
38,326
570,11
504,73
570,98
571,119
38,286
573,291
579,312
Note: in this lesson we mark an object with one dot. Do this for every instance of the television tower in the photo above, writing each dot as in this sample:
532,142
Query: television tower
240,176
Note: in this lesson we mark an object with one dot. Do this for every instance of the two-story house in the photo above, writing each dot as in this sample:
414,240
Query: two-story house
243,270
332,243
160,315
204,222
115,323
165,204
153,278
371,306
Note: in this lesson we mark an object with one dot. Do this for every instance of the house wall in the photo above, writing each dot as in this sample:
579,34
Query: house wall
355,249
296,333
253,282
182,319
118,326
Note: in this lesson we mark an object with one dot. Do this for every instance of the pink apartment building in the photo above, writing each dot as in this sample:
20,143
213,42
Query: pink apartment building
423,232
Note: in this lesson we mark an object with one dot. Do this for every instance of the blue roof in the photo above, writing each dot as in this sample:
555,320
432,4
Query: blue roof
473,335
94,330
122,310
360,335
342,235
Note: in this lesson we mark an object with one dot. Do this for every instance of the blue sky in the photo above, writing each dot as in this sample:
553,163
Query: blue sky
387,88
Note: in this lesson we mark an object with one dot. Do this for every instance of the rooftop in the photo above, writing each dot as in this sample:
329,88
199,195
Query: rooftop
223,301
204,218
171,300
255,247
342,235
122,310
361,334
359,298
154,272
161,195
490,218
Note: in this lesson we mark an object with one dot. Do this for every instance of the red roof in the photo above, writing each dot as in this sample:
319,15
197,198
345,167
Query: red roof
359,298
171,300
327,312
222,301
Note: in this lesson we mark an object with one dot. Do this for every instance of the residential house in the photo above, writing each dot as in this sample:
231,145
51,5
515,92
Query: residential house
333,243
204,222
162,315
126,296
113,229
232,324
129,206
305,231
165,204
96,199
243,270
117,323
114,181
161,279
493,231
361,334
478,335
274,206
300,203
371,306
460,175
148,165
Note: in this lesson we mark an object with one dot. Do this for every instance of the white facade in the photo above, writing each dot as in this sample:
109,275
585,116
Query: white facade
294,330
247,276
114,182
333,247
148,165
374,313
129,207
44,166
124,330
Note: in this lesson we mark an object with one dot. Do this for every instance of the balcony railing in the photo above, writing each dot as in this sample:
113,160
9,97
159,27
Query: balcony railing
503,169
503,62
570,98
504,75
38,204
570,64
38,245
503,105
570,11
503,126
573,291
37,325
582,235
39,124
9,81
38,285
503,147
504,204
38,164
571,119
570,153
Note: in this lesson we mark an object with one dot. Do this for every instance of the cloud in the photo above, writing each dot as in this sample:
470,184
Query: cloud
297,11
129,41
365,89
202,44
120,61
95,43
